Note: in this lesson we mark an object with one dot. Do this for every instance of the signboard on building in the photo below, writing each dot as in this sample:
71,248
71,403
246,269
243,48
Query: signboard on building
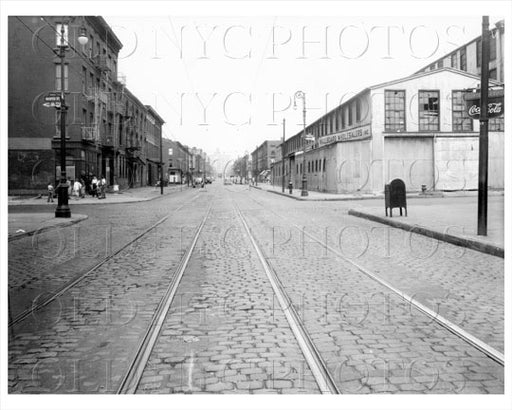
359,133
495,105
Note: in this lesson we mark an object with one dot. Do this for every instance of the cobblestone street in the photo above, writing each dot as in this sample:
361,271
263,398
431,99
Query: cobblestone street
87,302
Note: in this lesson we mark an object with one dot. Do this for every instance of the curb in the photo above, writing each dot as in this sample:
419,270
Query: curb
352,198
47,228
453,239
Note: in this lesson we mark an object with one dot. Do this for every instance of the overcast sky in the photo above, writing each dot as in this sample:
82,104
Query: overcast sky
227,82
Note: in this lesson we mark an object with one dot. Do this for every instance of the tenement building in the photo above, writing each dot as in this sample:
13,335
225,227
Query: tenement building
415,128
263,157
109,131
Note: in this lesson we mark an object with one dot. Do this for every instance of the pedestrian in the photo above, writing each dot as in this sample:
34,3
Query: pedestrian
82,188
77,187
103,186
70,187
94,186
51,191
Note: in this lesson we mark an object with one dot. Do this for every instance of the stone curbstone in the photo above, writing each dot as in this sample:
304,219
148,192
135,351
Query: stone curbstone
445,237
47,228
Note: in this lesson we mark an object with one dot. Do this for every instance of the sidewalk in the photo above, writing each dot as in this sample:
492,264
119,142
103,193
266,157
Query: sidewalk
445,216
313,195
450,219
27,223
126,196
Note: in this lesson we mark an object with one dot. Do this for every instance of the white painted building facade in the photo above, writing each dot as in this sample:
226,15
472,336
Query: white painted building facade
415,128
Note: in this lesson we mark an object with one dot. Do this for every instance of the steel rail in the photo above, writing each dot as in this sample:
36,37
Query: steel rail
318,367
480,345
134,373
65,287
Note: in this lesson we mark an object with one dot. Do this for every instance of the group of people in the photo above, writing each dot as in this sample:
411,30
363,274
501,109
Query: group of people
80,187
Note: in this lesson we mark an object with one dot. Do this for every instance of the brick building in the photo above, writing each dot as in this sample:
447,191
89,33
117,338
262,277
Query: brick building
109,131
263,157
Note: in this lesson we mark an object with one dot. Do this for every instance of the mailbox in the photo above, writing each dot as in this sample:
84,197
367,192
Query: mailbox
395,196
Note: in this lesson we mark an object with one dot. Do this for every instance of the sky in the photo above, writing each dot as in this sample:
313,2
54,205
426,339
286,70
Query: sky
226,83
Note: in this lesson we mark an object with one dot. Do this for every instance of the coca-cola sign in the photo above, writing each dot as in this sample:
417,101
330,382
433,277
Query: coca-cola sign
495,105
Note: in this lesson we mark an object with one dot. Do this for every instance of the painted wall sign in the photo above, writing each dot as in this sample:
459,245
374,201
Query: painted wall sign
354,134
495,106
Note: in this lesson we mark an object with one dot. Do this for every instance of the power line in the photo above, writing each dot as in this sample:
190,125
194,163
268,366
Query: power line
45,43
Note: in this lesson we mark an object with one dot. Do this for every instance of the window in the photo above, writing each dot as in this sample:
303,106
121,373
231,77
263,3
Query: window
478,53
84,80
324,165
453,58
440,64
58,77
358,110
462,59
309,167
493,74
394,110
497,124
330,124
342,111
432,67
337,127
461,121
91,45
58,35
492,48
428,111
349,115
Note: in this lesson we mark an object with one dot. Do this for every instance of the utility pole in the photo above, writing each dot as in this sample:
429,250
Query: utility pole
483,150
282,158
62,210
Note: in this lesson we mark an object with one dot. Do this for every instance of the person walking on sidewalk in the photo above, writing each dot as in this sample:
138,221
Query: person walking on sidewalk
94,186
51,190
77,187
103,186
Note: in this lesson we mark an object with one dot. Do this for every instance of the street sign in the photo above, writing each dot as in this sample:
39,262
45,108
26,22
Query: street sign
53,99
55,104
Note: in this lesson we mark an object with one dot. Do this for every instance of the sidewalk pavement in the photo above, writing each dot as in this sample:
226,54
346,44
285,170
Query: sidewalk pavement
27,223
126,196
446,216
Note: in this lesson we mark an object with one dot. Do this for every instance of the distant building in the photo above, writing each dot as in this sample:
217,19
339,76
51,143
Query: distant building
263,157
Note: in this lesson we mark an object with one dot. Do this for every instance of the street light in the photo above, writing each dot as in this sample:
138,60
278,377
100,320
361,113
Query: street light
301,95
63,210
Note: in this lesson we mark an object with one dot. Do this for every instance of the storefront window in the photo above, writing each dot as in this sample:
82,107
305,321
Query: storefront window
395,110
428,111
461,121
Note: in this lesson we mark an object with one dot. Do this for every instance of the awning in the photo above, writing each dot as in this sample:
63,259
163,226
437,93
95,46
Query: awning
264,173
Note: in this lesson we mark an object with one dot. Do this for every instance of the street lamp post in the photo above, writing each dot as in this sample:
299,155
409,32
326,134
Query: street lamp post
302,96
63,210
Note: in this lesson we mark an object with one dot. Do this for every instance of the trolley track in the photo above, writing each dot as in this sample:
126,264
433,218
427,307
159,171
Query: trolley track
321,374
467,337
317,365
42,302
133,376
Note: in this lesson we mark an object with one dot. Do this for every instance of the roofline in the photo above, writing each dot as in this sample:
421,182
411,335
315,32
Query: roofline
399,80
99,21
427,73
154,113
498,25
